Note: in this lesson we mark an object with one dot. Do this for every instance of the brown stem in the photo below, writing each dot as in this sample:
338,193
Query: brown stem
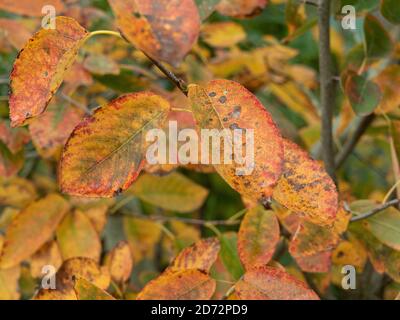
353,140
375,210
170,75
327,88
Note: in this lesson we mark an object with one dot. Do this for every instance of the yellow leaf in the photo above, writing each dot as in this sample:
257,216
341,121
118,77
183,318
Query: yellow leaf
200,256
305,187
31,228
172,192
48,254
119,262
9,283
223,34
77,237
85,290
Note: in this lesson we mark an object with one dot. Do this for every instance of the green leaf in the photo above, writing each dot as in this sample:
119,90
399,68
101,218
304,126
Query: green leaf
364,95
229,254
390,9
206,7
377,40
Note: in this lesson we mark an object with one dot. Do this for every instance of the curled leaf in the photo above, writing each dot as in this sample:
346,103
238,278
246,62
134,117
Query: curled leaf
41,66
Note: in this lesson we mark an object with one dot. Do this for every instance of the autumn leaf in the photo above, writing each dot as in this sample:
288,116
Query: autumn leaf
77,237
15,32
75,268
172,192
266,283
85,290
29,7
142,236
100,161
258,236
241,8
9,283
45,60
119,262
48,254
224,104
305,187
166,30
51,130
190,284
31,228
223,34
200,256
206,7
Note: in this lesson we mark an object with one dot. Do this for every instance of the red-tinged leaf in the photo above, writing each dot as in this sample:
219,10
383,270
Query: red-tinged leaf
188,284
200,255
15,32
164,29
241,8
99,160
257,238
266,283
319,262
225,104
31,228
13,138
41,66
31,8
51,130
305,187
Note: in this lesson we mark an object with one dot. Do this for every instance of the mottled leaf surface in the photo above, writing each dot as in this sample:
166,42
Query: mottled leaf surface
189,284
258,236
225,104
85,290
164,29
241,8
305,187
105,153
200,256
41,66
266,283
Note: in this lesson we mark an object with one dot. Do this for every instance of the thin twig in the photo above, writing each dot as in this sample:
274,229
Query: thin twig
170,75
75,103
186,220
351,142
375,210
326,85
